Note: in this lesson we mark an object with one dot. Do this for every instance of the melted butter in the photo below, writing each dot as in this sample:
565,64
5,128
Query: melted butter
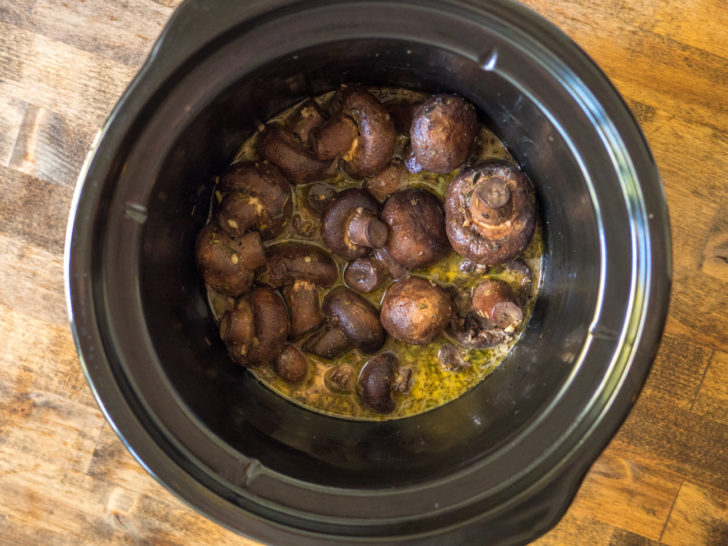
432,384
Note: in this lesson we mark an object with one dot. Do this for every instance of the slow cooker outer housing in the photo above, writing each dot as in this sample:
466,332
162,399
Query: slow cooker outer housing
501,463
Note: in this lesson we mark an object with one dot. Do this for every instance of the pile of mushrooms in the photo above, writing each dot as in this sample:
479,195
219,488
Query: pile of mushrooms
286,299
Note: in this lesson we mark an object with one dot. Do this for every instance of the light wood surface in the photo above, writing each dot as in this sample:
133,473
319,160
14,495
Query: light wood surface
65,478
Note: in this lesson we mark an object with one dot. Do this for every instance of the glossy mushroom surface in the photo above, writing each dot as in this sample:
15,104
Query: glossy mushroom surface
256,330
364,275
361,132
490,213
355,317
302,300
289,262
350,225
291,364
444,133
219,261
495,301
416,223
376,381
416,310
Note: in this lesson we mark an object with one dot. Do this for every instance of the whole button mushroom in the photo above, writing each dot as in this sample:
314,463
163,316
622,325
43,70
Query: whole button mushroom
416,223
291,365
291,156
226,263
444,133
318,197
364,275
415,310
259,198
304,120
376,381
350,226
256,330
361,132
328,342
355,317
289,262
494,300
490,213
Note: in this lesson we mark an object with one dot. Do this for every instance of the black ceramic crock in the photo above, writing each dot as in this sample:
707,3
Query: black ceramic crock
498,465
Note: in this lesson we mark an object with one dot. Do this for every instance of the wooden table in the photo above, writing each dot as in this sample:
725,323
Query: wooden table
64,475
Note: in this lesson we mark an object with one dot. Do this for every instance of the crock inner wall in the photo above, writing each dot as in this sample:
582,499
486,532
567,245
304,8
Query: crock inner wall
253,421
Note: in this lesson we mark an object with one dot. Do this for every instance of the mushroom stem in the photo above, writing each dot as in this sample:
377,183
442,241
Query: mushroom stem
365,229
494,300
491,202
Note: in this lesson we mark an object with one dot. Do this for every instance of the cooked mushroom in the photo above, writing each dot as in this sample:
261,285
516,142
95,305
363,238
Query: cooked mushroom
416,225
291,365
302,298
415,310
291,156
334,138
319,196
220,263
289,262
494,300
350,226
364,275
444,133
256,330
386,181
260,198
490,213
304,120
410,160
355,317
340,378
361,131
376,380
328,342
475,332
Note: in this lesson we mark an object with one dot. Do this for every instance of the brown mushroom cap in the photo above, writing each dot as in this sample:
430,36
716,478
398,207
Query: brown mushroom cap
376,381
386,181
289,262
302,298
256,330
291,365
494,300
262,199
328,342
475,332
219,261
355,317
490,213
415,310
364,275
416,224
444,133
318,197
291,156
374,146
393,268
349,225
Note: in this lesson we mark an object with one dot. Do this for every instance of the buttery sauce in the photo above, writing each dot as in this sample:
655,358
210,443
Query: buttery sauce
432,384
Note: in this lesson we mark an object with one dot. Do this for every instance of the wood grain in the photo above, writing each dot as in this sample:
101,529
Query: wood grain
65,478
